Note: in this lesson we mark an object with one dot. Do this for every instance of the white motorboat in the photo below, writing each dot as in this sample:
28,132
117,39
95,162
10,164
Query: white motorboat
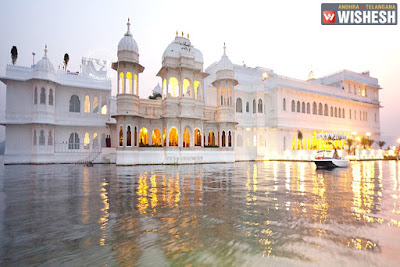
328,159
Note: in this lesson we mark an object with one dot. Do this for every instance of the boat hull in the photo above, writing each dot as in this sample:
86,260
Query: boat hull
331,163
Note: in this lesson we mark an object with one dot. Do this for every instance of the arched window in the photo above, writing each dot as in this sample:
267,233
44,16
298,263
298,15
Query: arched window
303,107
135,136
229,139
87,104
211,138
35,96
326,110
86,141
121,83
239,141
320,111
186,138
239,105
260,106
284,104
35,137
343,113
74,104
73,141
156,138
129,84
104,106
197,90
222,98
173,137
51,97
186,88
247,107
136,85
340,112
293,106
128,136
173,87
50,139
335,112
254,106
43,96
143,137
42,139
197,137
121,136
331,111
314,108
223,139
95,141
164,136
298,106
308,108
95,105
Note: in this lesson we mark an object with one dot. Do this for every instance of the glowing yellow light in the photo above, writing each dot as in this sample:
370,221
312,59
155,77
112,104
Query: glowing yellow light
368,134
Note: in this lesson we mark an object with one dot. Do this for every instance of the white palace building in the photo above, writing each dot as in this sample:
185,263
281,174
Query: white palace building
224,113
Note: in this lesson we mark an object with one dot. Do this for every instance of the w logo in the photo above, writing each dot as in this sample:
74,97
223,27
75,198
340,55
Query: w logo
328,17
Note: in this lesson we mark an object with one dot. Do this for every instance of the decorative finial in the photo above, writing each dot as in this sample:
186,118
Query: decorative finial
182,33
45,51
188,36
224,49
176,33
129,25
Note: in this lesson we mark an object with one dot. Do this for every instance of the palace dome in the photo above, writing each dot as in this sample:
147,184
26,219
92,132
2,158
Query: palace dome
224,63
127,42
181,46
44,64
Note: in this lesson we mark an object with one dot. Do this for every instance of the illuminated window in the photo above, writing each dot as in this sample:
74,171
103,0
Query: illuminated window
239,105
197,137
298,107
87,104
294,144
173,137
42,139
211,138
136,84
104,106
239,141
121,136
222,97
164,87
186,138
128,136
35,96
50,139
173,87
43,96
186,88
51,97
248,141
95,141
143,137
284,104
129,84
254,140
96,105
73,141
197,89
156,137
121,83
86,141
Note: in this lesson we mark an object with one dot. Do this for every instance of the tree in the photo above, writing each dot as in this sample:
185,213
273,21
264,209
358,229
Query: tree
300,137
381,144
364,142
155,96
370,142
66,60
350,143
14,54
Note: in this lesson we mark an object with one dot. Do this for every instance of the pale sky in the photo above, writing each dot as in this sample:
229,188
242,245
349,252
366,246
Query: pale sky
286,36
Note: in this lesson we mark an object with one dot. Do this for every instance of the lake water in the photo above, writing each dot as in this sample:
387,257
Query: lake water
242,214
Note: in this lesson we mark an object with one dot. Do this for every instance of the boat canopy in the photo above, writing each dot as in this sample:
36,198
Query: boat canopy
331,136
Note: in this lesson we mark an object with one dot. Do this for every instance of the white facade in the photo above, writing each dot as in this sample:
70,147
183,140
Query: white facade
223,114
